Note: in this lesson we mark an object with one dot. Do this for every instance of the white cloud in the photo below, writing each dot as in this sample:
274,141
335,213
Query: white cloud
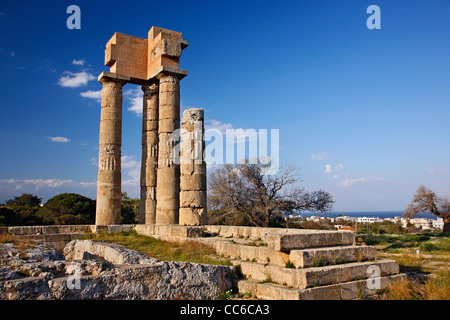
441,170
217,125
37,184
60,139
318,156
12,54
94,161
135,97
351,182
74,80
240,135
337,175
97,95
132,175
79,62
329,169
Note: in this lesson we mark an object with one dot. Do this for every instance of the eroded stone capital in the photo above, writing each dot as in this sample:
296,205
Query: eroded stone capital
150,89
110,77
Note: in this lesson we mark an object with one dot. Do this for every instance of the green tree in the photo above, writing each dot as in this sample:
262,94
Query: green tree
129,210
68,208
25,207
8,217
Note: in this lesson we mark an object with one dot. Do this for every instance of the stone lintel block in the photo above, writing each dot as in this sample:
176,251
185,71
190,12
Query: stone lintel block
331,255
127,55
309,239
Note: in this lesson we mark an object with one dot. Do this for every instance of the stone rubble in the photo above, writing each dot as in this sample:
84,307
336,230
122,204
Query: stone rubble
95,270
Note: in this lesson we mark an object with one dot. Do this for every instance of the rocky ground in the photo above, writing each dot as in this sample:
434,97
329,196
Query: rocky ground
95,270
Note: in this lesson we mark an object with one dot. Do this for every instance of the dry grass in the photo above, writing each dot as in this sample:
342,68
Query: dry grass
6,238
432,288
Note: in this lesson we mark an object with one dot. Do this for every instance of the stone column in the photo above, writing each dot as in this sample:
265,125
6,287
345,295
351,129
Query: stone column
110,140
168,173
193,169
149,163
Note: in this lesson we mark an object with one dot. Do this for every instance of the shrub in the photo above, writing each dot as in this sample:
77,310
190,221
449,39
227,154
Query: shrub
428,246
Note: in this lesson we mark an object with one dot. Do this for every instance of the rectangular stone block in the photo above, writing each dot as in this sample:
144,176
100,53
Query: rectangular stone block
308,239
127,55
348,272
272,291
331,255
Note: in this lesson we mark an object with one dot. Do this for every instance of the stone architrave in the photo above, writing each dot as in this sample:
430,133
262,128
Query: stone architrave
149,163
193,169
110,140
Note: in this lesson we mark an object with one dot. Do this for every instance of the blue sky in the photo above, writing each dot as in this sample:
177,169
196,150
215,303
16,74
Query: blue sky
363,112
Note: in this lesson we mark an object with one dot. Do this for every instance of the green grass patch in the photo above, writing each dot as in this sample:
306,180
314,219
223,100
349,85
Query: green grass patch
162,250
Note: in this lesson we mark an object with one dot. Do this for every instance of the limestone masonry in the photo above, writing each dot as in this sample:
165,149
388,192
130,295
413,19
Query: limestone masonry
153,64
276,263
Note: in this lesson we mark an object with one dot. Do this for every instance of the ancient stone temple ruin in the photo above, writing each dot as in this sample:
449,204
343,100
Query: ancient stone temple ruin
263,263
173,171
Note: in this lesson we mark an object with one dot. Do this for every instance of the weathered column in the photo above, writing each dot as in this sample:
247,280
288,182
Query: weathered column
110,140
168,173
193,169
149,163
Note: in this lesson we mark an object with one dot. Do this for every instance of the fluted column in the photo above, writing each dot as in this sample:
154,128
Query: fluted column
168,173
149,163
110,140
193,169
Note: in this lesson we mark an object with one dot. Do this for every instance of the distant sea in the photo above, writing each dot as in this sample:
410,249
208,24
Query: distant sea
375,214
